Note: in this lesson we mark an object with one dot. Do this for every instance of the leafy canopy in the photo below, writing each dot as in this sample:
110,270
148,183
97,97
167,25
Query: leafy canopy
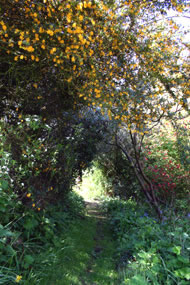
124,56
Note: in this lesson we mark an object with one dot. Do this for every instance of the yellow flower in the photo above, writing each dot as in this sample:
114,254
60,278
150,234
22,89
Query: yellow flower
69,30
89,4
33,205
4,28
30,49
69,16
43,46
28,195
50,32
80,17
18,278
52,50
91,52
79,6
41,30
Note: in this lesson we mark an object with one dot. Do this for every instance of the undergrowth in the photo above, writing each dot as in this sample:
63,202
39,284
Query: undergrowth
149,252
25,233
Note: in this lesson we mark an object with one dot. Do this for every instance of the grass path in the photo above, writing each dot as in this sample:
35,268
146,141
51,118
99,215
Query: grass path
87,253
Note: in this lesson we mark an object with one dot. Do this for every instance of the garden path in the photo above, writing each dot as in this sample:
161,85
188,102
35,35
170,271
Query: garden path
88,255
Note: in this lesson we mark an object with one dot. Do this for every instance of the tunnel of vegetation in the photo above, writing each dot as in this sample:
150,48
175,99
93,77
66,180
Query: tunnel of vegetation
91,80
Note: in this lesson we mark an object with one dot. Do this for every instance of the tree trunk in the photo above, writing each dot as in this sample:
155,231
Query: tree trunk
145,184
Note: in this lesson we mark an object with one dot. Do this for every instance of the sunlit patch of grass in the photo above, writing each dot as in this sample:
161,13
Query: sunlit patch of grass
93,184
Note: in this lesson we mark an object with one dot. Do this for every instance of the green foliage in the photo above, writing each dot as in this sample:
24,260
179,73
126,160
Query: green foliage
149,252
182,132
118,174
26,232
75,205
94,183
166,156
43,158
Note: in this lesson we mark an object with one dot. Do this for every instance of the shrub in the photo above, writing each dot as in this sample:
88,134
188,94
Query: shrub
149,252
164,164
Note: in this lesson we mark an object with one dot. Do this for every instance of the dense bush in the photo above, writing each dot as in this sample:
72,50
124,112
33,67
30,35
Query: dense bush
166,156
25,232
118,174
149,252
43,157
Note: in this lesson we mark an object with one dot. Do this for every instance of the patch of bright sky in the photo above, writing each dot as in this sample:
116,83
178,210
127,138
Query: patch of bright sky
183,20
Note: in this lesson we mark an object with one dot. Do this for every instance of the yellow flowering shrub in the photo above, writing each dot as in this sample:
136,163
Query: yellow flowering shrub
133,64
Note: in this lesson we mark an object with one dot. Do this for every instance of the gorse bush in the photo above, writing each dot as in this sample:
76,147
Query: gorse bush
149,252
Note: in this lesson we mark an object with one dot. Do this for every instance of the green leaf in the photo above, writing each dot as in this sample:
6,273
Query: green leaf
183,259
4,184
176,250
183,273
2,208
28,260
10,250
144,255
30,224
137,280
4,232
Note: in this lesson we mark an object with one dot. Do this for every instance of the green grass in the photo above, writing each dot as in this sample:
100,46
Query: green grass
71,258
74,260
103,265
